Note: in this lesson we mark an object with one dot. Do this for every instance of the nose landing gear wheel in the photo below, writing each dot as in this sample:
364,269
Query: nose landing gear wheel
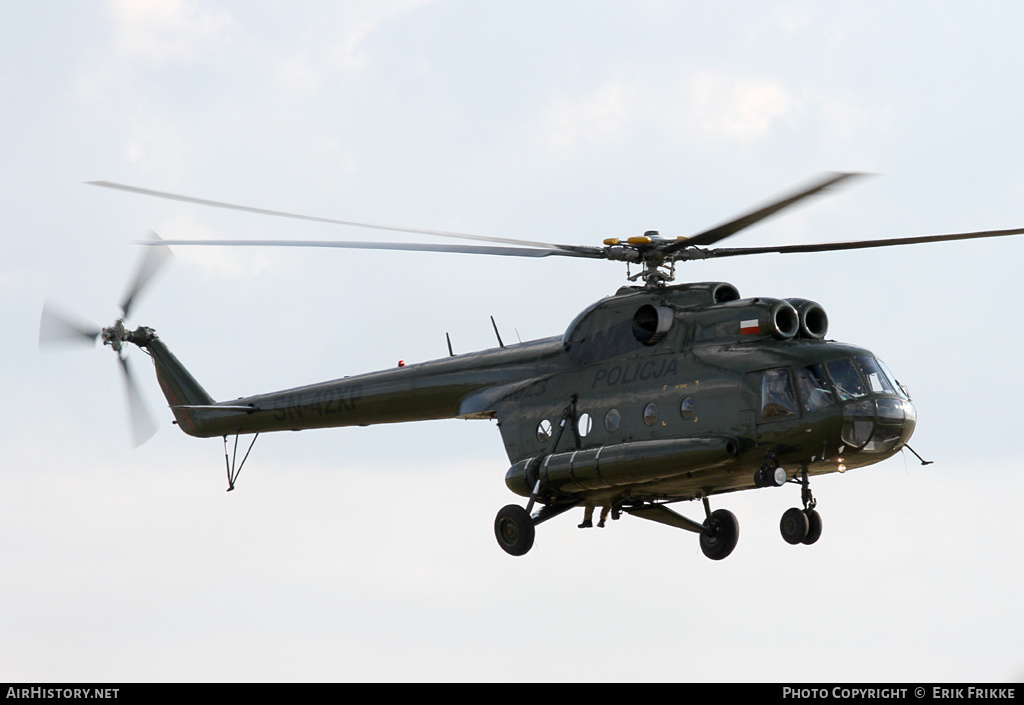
514,529
795,526
802,525
722,533
813,527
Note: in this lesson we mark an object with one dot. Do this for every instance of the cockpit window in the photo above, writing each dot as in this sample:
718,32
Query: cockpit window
814,389
877,381
899,388
848,383
777,399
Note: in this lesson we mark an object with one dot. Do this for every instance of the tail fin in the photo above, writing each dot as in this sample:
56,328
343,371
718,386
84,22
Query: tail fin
179,387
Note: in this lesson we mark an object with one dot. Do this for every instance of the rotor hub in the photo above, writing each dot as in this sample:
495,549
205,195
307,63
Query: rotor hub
114,335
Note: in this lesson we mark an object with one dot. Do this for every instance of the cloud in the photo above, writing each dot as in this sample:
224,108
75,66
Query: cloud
735,108
341,37
591,118
359,21
162,32
701,105
183,32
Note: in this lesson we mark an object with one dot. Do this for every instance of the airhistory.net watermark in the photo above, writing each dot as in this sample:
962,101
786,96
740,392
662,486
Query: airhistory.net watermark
62,693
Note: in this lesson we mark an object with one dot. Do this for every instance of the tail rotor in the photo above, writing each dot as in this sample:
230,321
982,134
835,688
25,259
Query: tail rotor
58,328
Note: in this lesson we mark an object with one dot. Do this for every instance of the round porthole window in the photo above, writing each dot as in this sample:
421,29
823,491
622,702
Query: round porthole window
651,414
688,408
544,431
584,425
612,420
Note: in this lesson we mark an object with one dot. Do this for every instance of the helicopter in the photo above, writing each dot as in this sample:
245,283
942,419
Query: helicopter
659,394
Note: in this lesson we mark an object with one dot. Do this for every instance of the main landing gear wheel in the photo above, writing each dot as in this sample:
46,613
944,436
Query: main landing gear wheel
514,529
722,531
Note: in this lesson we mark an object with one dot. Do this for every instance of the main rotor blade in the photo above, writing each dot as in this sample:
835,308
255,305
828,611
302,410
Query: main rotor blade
716,234
58,327
149,264
318,219
591,252
143,425
860,244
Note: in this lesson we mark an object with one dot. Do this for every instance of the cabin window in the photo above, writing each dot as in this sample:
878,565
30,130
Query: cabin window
651,414
814,389
612,420
688,409
777,398
544,431
584,425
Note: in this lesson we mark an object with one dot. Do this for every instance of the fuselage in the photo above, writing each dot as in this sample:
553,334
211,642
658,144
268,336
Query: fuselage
668,393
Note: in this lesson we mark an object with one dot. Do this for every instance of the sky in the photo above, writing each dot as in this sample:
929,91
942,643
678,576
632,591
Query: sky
367,554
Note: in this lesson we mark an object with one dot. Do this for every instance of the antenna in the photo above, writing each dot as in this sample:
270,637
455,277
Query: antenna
449,339
500,344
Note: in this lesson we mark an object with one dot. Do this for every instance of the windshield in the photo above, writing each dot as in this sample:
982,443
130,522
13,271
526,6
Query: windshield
822,385
847,379
877,381
899,388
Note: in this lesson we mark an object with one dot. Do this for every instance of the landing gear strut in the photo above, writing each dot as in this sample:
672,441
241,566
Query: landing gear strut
718,534
802,525
515,527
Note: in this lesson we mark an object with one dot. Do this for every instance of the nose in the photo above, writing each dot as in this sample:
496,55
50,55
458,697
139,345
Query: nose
878,425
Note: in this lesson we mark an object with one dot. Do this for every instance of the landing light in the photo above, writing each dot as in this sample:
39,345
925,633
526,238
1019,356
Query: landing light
840,465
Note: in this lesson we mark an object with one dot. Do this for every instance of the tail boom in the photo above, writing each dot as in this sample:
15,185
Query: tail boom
419,392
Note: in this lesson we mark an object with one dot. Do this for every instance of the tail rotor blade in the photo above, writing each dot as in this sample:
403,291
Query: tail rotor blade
152,259
57,327
143,425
